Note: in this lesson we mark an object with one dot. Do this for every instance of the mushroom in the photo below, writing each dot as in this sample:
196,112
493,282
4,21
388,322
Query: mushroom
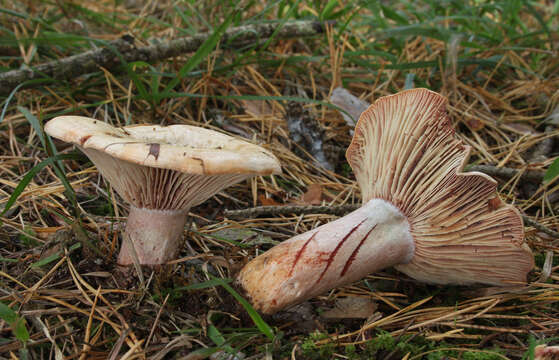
421,213
544,352
162,172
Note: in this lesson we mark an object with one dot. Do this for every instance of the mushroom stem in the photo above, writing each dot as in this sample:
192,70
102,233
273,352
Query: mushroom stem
371,238
155,234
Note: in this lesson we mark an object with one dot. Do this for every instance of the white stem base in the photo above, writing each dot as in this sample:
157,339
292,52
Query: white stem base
371,238
155,234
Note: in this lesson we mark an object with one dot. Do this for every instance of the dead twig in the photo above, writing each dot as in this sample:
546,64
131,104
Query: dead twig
338,210
508,173
118,345
107,57
536,225
156,321
16,345
355,106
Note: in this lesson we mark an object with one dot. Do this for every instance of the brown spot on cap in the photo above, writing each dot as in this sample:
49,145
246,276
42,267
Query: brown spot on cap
154,150
201,163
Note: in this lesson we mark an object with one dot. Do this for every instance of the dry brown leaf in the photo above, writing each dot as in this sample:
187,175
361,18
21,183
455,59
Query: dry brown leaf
351,308
475,124
266,201
523,128
313,196
257,107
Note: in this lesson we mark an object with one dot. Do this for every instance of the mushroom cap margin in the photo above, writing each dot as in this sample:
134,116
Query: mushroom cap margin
167,147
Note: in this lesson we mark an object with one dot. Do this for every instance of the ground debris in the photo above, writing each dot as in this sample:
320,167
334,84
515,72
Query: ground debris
350,103
351,307
306,132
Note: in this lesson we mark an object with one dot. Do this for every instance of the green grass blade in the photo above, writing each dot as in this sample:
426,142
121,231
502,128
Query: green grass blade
540,20
49,147
328,9
256,318
409,83
20,330
198,286
35,123
53,257
31,174
15,90
7,314
203,285
394,15
552,172
204,352
17,323
203,51
216,336
253,97
286,17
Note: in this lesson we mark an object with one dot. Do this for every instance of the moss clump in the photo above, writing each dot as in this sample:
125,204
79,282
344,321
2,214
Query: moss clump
313,351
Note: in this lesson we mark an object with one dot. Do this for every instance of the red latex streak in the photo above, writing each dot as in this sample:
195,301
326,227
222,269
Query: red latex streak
300,252
84,139
355,252
338,247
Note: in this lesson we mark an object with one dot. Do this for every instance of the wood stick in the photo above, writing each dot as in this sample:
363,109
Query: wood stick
507,173
91,61
338,210
536,225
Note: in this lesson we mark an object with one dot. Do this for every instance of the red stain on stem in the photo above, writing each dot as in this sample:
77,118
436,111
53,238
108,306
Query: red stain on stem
300,252
83,139
333,254
354,253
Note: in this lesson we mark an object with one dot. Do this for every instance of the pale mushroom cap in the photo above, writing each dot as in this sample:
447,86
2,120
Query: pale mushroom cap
166,168
405,151
183,148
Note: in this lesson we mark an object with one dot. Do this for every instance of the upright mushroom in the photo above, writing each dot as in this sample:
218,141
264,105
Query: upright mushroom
162,172
420,213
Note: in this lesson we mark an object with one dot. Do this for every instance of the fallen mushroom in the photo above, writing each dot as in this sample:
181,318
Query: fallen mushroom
544,352
162,172
420,213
